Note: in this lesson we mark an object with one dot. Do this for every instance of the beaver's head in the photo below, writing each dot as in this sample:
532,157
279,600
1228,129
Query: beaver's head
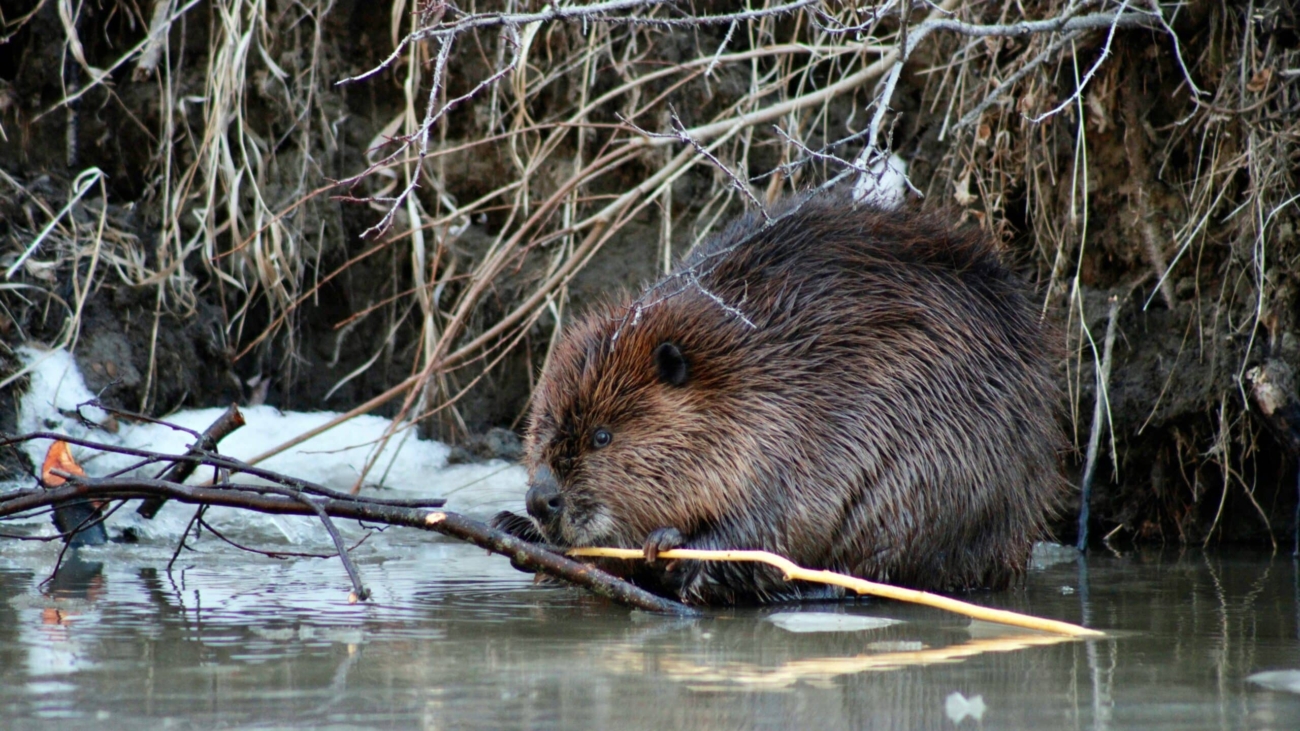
636,425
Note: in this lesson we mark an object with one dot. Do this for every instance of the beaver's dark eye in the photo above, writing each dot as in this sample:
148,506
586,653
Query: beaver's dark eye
601,438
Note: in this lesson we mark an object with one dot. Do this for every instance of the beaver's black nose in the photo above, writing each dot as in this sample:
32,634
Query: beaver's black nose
543,499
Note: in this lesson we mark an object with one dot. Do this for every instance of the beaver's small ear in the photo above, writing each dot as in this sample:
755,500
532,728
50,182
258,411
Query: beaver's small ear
671,364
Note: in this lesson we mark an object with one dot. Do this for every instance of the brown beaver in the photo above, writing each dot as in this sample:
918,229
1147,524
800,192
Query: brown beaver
860,390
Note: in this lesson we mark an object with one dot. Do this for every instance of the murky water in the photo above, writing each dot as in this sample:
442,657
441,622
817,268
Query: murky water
457,639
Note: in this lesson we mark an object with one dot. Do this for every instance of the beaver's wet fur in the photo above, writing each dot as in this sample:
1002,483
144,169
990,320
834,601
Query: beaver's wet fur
860,390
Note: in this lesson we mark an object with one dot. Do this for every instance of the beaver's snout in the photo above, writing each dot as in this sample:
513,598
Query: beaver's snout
543,499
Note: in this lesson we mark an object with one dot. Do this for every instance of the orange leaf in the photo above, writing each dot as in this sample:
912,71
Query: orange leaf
59,458
1259,81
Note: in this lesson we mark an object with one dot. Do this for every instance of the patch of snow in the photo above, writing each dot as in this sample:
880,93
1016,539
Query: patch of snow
886,184
410,466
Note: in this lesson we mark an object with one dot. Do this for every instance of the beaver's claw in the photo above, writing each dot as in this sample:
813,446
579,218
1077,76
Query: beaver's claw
664,539
520,527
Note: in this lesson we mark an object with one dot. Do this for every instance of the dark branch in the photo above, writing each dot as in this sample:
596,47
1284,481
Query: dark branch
278,500
215,460
228,422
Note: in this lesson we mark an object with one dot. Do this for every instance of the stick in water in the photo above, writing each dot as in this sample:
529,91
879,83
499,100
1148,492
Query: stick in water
230,420
794,572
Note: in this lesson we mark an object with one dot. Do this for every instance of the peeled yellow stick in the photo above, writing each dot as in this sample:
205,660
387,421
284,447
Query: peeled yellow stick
861,586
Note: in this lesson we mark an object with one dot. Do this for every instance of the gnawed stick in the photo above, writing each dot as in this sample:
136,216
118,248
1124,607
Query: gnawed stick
795,572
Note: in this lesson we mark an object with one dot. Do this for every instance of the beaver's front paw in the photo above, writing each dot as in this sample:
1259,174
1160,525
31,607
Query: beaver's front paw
520,527
664,539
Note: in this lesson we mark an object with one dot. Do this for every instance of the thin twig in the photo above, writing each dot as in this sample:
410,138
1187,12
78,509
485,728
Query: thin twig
680,133
281,554
215,460
1101,406
1116,24
1050,51
196,519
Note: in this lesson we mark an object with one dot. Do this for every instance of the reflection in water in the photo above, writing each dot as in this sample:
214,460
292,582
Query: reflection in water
456,639
1100,677
817,670
77,579
57,643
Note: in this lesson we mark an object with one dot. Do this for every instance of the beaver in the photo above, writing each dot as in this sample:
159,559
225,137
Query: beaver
862,390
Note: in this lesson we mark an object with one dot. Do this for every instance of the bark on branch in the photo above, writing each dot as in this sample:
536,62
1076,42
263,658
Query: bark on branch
228,422
279,499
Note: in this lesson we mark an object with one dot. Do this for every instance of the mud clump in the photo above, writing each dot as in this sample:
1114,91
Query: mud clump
496,443
859,390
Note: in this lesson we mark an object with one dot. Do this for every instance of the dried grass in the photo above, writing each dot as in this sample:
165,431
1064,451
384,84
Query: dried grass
1007,111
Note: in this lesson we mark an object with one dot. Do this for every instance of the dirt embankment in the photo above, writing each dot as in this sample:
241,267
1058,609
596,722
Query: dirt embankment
206,253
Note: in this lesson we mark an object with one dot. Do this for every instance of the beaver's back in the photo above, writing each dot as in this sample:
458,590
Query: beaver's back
913,355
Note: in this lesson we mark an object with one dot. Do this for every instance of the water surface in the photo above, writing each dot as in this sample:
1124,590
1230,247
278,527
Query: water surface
457,639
